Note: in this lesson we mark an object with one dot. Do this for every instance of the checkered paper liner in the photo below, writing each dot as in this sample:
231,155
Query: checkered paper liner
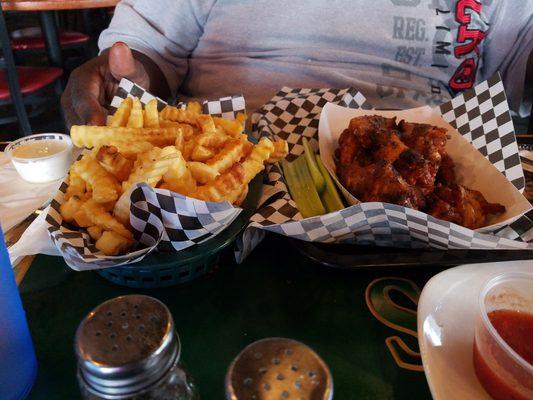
161,220
522,228
225,107
481,115
526,157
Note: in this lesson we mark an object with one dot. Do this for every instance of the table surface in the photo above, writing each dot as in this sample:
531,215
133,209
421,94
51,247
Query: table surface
47,5
275,292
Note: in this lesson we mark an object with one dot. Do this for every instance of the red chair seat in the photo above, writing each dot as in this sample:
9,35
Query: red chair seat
31,79
36,42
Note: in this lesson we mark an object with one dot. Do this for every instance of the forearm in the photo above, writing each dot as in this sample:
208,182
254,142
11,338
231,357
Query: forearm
166,31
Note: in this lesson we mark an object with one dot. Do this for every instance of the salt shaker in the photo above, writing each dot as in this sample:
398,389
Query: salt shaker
127,348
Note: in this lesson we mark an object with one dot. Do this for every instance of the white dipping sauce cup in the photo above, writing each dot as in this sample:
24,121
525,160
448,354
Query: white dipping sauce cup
46,168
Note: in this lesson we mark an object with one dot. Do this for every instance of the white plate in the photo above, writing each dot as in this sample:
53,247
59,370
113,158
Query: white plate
447,312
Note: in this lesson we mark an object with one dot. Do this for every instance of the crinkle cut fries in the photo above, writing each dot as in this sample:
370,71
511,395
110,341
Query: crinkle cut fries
182,150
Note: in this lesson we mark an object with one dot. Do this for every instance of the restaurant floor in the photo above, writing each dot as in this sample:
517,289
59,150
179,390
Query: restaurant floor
275,292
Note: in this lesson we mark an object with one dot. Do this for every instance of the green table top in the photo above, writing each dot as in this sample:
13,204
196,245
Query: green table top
275,292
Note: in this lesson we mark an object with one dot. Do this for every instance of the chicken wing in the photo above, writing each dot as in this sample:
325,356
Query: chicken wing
380,182
387,145
417,171
407,164
446,173
463,206
428,140
369,139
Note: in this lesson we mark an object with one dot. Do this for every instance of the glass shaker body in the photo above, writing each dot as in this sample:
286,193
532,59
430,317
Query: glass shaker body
176,384
128,349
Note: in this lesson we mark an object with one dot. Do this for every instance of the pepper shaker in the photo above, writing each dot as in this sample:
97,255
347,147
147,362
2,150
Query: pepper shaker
278,369
127,348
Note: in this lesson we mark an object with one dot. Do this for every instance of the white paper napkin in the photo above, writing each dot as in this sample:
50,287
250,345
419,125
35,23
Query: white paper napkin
34,240
19,198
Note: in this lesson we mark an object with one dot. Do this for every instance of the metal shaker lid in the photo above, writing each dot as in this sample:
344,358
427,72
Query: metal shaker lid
125,345
278,368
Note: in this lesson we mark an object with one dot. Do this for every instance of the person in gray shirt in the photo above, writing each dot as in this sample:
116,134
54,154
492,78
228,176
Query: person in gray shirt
398,53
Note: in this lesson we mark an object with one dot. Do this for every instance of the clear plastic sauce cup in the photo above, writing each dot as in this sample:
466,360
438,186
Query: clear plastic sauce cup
45,157
503,342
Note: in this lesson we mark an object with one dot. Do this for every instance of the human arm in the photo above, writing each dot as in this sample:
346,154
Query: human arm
92,85
161,36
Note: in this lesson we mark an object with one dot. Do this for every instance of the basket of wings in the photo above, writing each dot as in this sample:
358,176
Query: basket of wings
447,177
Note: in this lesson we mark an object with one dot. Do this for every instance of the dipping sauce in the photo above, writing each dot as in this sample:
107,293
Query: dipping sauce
39,148
44,157
516,329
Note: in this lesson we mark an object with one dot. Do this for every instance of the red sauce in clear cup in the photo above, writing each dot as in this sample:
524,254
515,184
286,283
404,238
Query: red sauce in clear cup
516,329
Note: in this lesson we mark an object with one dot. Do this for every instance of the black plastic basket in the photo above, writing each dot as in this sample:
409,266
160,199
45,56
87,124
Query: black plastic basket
167,269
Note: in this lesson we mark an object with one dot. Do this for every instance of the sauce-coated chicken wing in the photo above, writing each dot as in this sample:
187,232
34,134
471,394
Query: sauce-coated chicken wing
406,164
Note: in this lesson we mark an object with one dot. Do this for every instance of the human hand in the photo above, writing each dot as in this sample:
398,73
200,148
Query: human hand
92,85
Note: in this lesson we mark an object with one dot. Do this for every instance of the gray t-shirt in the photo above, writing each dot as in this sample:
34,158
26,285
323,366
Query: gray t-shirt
398,53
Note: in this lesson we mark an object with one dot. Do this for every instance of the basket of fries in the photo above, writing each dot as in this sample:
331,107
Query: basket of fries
172,184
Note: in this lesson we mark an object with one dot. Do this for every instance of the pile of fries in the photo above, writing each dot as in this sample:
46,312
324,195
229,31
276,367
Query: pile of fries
182,150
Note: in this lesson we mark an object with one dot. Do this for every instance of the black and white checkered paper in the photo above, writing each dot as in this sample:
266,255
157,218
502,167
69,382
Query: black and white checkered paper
225,107
161,220
480,114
